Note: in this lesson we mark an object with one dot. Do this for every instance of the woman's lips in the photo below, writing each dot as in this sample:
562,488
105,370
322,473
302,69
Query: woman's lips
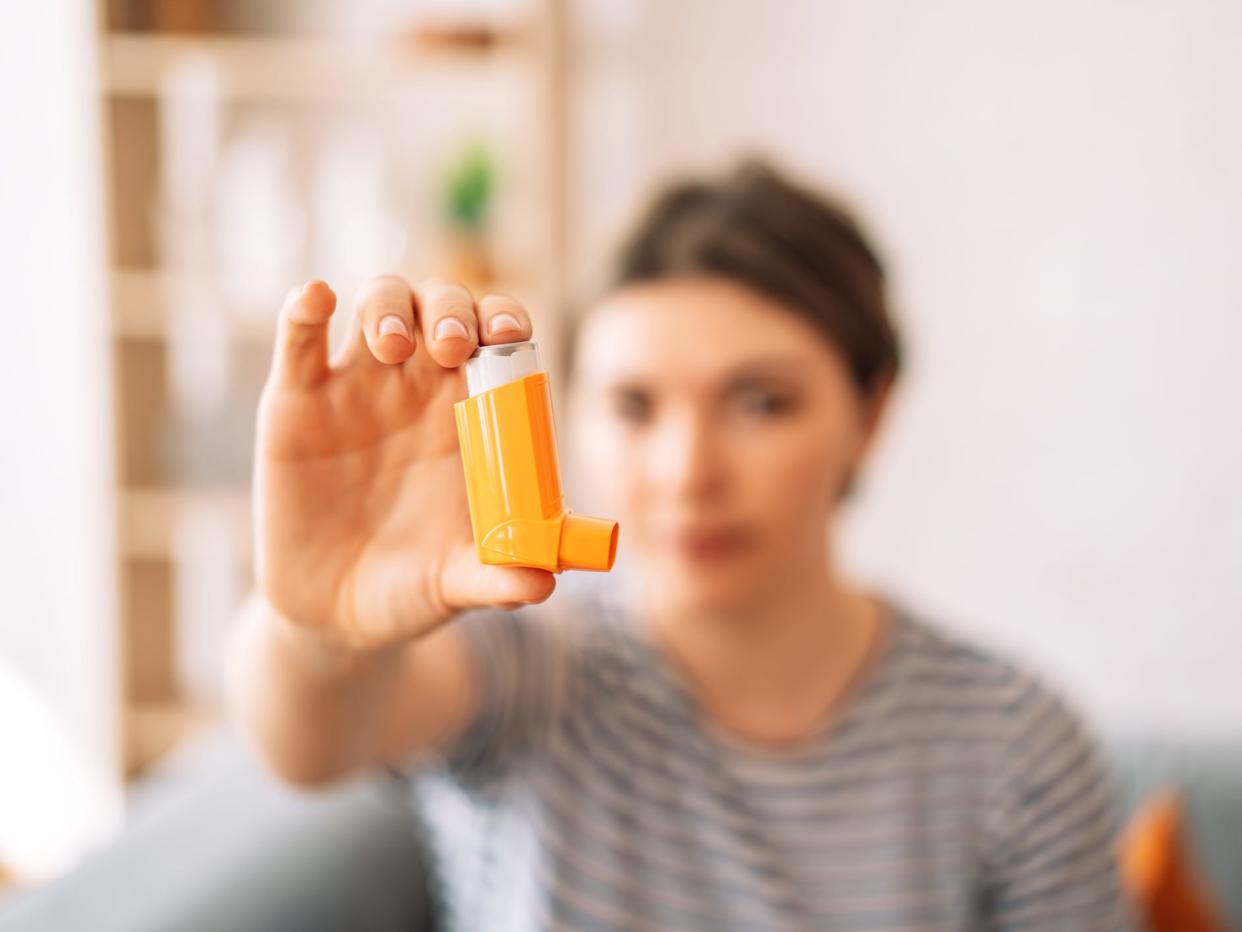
710,544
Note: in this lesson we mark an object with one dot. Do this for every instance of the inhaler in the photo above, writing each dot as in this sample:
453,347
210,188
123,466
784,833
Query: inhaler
507,437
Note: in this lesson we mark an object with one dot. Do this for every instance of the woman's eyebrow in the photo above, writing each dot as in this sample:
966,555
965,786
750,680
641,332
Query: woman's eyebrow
780,366
784,366
627,383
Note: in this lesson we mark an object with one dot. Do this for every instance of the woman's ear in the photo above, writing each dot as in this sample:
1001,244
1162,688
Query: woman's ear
874,407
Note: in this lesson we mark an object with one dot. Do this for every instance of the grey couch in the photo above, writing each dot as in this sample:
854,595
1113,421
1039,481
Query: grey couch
214,844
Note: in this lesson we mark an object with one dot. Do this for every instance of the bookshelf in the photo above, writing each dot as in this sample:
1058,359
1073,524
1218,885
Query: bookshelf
238,160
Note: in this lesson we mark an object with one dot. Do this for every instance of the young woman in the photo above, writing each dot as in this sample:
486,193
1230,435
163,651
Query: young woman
736,737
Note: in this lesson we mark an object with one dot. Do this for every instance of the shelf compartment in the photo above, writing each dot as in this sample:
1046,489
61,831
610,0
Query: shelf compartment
311,69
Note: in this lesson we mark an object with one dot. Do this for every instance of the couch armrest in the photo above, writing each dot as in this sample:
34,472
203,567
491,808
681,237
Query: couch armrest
229,849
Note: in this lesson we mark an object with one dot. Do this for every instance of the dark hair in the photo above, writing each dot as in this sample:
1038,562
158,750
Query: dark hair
761,229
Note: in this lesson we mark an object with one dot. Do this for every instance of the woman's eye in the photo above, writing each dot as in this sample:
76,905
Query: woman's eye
763,403
631,406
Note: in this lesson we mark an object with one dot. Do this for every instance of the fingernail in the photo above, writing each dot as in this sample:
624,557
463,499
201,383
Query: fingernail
451,327
393,324
503,322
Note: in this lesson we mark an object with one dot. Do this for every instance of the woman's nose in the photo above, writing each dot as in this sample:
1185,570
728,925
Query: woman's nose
683,459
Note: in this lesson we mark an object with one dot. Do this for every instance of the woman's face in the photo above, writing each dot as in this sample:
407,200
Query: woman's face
719,426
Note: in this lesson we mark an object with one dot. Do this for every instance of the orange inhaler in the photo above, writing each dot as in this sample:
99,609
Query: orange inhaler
507,437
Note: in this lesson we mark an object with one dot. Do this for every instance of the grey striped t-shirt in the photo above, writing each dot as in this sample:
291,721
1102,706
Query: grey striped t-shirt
952,791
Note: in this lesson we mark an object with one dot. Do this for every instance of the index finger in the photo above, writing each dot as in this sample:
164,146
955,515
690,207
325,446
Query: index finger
503,319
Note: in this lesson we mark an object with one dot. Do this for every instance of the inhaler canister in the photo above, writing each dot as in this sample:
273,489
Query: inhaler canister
507,436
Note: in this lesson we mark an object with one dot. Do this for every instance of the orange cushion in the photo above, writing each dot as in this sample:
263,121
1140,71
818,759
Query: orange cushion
1159,873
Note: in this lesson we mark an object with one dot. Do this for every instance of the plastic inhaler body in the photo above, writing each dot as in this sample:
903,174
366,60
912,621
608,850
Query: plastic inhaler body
513,478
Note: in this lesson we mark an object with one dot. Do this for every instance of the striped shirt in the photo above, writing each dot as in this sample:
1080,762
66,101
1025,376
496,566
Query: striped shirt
952,791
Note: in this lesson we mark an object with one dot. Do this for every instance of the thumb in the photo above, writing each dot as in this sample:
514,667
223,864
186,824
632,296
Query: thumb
467,583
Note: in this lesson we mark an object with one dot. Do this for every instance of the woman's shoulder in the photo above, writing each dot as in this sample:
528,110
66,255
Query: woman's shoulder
1018,729
980,685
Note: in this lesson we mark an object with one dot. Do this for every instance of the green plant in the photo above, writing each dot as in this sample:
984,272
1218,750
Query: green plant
468,187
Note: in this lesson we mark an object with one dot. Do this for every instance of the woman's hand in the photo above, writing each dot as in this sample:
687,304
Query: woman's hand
362,529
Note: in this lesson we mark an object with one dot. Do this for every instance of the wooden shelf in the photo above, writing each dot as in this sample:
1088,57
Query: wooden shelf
181,504
140,299
155,728
307,69
149,518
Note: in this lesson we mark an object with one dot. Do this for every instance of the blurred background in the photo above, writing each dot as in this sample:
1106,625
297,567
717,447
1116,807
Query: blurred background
1056,187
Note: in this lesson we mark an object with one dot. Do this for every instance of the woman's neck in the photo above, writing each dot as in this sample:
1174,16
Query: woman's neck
775,670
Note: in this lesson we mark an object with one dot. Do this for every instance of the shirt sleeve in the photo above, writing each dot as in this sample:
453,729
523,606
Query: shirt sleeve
521,662
1051,860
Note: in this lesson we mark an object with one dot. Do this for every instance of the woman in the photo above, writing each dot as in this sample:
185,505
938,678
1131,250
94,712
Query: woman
738,738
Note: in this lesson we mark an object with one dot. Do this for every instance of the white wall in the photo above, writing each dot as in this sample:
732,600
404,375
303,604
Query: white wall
1058,189
58,764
